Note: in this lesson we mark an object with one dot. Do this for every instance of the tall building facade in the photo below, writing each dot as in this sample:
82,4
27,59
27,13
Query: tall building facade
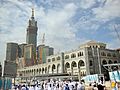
32,31
10,66
42,53
21,49
21,60
12,51
30,55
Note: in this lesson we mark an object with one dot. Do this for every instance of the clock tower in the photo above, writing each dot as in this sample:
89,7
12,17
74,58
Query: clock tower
32,31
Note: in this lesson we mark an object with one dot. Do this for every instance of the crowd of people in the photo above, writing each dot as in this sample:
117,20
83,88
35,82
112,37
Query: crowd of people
58,85
51,85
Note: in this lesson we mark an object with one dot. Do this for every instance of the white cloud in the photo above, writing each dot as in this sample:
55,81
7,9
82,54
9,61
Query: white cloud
54,23
109,11
85,4
115,44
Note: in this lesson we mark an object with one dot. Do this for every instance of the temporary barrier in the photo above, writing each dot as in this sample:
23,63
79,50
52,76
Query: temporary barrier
115,76
5,83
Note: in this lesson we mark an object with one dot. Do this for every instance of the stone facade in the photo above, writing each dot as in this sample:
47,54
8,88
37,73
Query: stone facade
87,59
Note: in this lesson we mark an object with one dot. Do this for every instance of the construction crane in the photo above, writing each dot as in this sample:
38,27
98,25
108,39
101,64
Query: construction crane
117,33
43,39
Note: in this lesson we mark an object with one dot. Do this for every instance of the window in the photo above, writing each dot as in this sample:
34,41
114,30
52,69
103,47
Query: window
90,63
53,59
104,62
103,54
67,57
114,55
109,55
74,64
58,58
81,63
73,55
115,61
80,54
49,60
110,62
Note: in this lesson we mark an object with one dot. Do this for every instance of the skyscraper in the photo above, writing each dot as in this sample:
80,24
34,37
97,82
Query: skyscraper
32,31
43,52
30,55
12,51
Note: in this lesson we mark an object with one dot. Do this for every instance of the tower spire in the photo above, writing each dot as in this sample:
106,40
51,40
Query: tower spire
32,13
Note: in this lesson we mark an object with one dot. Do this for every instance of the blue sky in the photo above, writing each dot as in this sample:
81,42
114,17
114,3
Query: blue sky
66,23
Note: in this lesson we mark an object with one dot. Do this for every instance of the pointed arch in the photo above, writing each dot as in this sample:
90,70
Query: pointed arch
67,65
115,61
110,62
104,62
73,64
81,63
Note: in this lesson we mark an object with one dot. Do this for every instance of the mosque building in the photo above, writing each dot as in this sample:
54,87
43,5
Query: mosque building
40,61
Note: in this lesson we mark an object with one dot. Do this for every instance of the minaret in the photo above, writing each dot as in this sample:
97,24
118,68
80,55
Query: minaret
32,31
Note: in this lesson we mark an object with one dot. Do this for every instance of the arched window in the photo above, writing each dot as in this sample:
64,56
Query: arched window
73,64
115,61
67,65
110,62
81,63
104,62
